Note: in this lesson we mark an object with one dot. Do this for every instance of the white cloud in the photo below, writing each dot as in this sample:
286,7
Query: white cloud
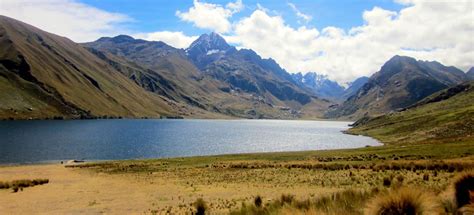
299,14
209,16
69,18
175,39
427,30
235,6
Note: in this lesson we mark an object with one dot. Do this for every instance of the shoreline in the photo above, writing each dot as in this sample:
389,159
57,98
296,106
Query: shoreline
151,118
275,153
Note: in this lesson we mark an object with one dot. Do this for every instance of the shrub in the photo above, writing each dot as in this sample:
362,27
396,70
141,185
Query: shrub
387,181
286,199
400,178
4,185
20,184
258,201
200,206
463,186
403,201
426,177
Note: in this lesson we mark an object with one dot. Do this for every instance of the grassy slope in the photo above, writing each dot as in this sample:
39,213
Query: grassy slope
449,120
73,74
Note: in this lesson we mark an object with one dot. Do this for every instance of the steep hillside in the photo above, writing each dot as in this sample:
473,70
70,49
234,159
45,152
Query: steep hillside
158,68
45,75
355,86
401,82
446,116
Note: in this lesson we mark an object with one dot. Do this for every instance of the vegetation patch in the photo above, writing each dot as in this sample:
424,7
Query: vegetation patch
17,185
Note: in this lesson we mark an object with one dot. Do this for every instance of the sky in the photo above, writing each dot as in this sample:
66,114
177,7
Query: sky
341,39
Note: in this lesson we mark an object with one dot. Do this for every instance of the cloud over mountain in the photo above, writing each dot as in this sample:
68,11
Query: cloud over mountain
77,21
209,16
426,30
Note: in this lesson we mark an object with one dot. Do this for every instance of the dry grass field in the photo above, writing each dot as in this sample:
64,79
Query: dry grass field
313,182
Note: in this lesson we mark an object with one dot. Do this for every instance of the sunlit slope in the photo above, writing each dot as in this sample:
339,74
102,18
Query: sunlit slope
446,116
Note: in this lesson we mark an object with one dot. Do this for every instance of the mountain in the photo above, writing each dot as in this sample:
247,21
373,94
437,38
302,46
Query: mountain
207,49
446,116
320,85
158,68
210,75
470,73
354,86
245,71
401,82
323,87
45,75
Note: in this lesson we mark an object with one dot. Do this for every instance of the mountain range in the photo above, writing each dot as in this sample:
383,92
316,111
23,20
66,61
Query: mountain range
323,87
43,75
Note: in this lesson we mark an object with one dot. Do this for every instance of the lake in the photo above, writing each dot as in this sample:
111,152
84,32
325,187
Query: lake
52,141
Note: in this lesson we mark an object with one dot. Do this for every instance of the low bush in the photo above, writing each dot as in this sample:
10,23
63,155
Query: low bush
387,181
200,206
426,177
258,201
20,184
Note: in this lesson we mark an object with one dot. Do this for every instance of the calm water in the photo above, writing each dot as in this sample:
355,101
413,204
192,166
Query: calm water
50,141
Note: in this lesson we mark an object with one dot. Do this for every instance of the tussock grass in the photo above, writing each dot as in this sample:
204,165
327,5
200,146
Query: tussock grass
258,201
464,189
344,202
201,206
403,201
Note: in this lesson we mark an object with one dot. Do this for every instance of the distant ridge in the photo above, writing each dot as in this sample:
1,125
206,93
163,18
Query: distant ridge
470,73
323,87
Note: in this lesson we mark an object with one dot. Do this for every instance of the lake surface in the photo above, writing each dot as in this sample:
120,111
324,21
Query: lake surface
52,141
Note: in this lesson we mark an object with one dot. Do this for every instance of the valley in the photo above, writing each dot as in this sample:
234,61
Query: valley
123,77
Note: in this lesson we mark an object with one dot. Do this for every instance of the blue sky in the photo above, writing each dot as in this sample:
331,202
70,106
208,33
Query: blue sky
160,15
343,39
